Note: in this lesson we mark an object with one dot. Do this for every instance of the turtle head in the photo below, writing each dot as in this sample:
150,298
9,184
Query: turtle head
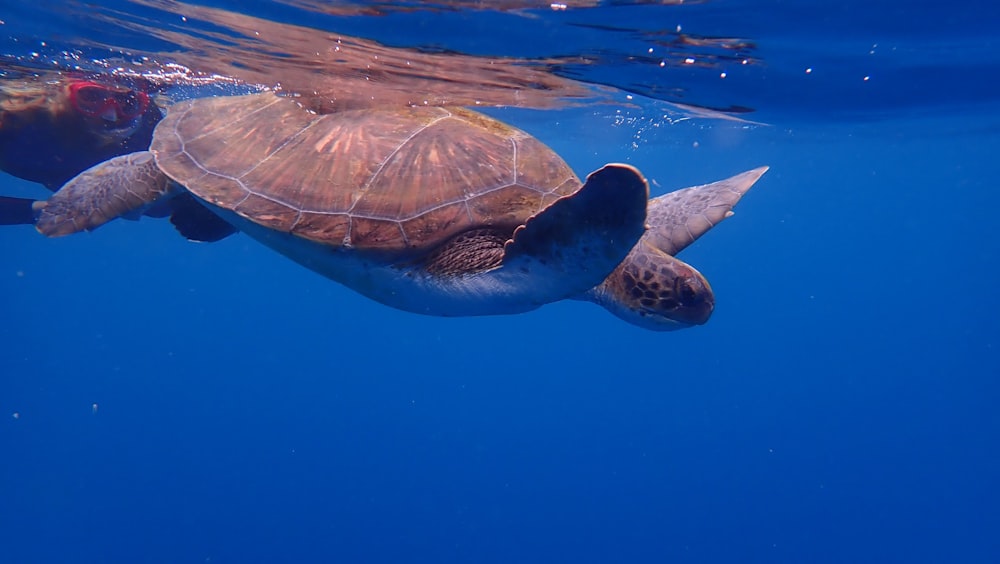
655,291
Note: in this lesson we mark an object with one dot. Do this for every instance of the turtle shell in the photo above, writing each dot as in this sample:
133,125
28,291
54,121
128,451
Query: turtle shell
397,181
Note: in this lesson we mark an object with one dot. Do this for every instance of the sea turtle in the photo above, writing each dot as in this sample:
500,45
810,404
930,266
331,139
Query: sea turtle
440,211
54,126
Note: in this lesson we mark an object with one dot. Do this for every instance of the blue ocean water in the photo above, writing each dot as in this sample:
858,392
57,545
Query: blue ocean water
164,401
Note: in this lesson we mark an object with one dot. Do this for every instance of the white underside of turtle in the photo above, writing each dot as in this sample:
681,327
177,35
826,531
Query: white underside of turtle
408,288
516,287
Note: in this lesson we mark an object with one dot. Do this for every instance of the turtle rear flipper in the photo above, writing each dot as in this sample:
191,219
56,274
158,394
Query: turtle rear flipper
119,186
18,211
195,222
576,242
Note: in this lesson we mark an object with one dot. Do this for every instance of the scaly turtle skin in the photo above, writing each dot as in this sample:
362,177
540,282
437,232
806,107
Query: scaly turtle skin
441,211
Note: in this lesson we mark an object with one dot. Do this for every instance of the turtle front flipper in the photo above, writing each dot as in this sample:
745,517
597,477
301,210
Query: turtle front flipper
572,245
18,211
119,186
678,218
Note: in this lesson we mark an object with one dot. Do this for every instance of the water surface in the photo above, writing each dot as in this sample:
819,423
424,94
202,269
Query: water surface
178,402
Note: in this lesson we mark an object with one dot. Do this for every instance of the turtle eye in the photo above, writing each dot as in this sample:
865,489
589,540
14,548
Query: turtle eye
685,291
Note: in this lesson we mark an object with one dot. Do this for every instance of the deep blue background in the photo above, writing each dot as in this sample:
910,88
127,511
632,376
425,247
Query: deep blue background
839,407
